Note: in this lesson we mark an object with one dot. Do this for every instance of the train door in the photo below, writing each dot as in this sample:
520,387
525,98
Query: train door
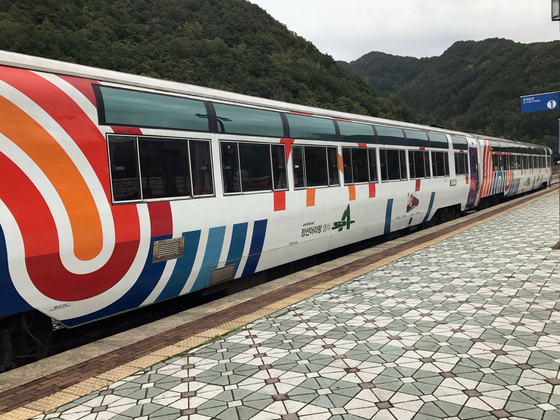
474,186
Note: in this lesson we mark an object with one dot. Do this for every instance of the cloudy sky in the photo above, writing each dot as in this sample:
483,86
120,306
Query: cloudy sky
420,28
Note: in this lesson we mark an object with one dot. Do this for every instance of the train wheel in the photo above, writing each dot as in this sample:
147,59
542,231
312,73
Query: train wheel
31,337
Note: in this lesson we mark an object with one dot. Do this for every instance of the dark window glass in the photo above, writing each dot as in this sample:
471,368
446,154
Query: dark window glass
360,165
460,143
393,164
356,133
515,164
304,127
316,166
416,138
255,167
240,120
402,158
142,109
440,164
201,168
390,135
333,166
461,163
438,140
164,167
124,168
279,167
417,164
347,162
372,165
299,171
383,165
230,168
495,163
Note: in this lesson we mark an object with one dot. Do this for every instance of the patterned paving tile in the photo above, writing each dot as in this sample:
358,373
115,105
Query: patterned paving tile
466,329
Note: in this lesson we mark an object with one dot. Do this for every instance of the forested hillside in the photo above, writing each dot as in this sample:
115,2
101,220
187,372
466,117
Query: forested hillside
226,44
387,72
475,87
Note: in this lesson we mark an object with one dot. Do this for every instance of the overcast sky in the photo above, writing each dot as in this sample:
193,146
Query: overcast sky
348,29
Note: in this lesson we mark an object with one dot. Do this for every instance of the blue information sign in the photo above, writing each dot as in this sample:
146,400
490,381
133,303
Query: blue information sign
543,102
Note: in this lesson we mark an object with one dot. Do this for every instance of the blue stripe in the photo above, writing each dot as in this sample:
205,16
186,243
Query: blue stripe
148,279
257,242
388,214
426,217
183,267
10,300
237,244
211,257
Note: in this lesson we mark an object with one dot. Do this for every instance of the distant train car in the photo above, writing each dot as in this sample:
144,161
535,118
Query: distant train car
118,191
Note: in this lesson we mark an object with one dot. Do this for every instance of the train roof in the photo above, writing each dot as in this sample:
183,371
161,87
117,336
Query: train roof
29,62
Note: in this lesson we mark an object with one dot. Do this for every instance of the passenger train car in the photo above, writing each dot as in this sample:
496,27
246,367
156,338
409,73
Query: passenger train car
118,191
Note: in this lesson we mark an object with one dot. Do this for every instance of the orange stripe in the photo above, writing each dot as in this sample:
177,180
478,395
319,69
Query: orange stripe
51,158
311,197
340,165
351,192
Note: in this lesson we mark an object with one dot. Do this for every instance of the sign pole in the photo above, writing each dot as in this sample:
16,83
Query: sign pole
557,246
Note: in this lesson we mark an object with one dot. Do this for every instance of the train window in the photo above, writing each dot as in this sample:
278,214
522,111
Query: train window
390,135
230,168
438,140
201,167
356,165
460,143
416,138
419,164
254,160
360,165
299,169
393,164
164,165
515,162
240,120
372,165
507,163
495,162
461,163
440,164
333,166
124,168
279,167
356,133
312,128
316,168
133,108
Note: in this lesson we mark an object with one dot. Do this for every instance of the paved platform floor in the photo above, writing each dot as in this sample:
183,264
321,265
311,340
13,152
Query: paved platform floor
468,328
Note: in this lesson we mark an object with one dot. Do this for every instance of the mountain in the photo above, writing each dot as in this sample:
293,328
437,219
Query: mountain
232,45
475,87
387,72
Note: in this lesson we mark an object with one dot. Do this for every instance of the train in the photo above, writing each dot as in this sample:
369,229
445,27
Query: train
118,191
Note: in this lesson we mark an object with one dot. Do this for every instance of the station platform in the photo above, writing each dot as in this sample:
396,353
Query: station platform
461,321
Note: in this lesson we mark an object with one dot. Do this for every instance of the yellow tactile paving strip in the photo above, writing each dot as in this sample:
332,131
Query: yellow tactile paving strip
104,379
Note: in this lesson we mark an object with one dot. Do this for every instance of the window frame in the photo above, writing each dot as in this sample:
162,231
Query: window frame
271,162
368,164
402,165
327,168
136,138
425,154
465,157
434,163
